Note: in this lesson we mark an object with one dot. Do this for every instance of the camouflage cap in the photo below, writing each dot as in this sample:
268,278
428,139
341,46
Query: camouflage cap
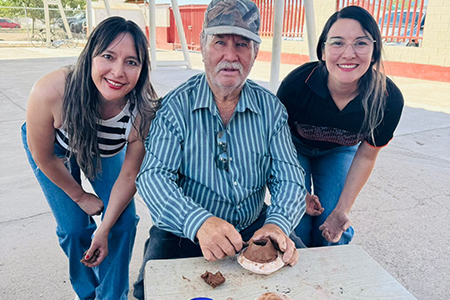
240,17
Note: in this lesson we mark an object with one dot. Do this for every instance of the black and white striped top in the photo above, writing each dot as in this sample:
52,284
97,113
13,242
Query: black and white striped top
112,134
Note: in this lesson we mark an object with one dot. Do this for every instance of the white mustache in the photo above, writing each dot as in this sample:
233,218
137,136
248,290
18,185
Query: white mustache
229,65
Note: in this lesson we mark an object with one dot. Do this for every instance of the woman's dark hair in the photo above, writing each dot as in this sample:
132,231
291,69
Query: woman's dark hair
81,105
372,85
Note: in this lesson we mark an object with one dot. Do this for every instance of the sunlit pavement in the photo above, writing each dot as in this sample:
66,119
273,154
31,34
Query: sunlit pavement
400,217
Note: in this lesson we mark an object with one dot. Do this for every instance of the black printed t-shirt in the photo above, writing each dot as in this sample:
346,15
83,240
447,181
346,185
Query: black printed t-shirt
317,122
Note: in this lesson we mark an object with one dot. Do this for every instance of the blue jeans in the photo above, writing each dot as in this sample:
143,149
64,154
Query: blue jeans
75,229
326,171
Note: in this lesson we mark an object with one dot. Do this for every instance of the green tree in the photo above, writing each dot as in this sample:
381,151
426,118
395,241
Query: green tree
37,14
9,12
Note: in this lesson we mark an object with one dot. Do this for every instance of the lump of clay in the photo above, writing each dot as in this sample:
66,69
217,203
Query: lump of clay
261,257
213,280
261,251
274,296
92,259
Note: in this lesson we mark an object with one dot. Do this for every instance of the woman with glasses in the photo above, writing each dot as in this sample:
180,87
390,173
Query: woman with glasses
342,111
92,118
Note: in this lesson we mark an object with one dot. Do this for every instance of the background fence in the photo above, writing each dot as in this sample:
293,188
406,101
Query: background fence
294,18
35,15
399,20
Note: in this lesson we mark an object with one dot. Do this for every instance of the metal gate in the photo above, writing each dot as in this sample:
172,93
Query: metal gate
192,17
294,18
400,21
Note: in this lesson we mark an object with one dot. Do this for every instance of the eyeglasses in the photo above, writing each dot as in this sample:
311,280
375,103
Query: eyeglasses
222,158
337,46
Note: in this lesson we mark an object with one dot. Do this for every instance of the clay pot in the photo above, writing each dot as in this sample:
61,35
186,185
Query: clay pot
262,251
273,296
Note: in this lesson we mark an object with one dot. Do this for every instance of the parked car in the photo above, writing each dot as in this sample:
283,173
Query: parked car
70,20
415,42
397,32
78,26
5,23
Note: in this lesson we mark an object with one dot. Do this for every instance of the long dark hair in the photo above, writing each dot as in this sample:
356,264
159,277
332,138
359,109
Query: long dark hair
81,105
372,85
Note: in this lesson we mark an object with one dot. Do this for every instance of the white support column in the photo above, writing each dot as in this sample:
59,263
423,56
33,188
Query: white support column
311,29
26,20
64,19
47,18
152,30
181,35
152,24
108,8
89,16
276,45
90,11
47,23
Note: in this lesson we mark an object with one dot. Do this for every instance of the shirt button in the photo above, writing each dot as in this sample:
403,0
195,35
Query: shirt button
231,159
238,207
235,183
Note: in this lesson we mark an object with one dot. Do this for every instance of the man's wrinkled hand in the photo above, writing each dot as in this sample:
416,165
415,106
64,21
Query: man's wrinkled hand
280,240
313,205
333,227
218,239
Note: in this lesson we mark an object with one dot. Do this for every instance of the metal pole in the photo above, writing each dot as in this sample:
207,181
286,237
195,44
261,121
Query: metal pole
89,16
66,24
26,20
276,45
152,25
64,18
177,15
47,23
108,8
311,29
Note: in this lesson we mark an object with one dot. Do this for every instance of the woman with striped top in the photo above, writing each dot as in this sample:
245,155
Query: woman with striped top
92,118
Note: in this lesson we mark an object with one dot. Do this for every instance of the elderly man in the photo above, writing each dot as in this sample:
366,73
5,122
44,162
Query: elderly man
216,143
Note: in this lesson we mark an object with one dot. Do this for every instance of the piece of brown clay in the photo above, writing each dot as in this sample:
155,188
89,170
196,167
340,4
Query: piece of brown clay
261,257
261,251
213,280
92,259
273,296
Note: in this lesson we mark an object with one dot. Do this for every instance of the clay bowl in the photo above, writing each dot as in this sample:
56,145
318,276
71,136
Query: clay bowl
260,268
273,296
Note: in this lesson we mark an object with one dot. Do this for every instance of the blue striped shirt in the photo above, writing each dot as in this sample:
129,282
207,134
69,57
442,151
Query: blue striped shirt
181,182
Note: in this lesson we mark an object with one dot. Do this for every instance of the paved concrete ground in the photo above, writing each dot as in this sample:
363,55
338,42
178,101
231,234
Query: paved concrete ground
400,218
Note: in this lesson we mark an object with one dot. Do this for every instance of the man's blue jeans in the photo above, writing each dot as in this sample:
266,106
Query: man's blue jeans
75,229
326,171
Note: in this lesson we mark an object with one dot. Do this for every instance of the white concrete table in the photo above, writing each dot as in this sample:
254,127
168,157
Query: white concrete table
340,272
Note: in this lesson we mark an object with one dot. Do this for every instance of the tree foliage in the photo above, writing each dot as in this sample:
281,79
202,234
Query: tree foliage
35,8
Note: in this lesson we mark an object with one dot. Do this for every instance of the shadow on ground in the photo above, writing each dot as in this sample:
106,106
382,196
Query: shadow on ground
400,218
